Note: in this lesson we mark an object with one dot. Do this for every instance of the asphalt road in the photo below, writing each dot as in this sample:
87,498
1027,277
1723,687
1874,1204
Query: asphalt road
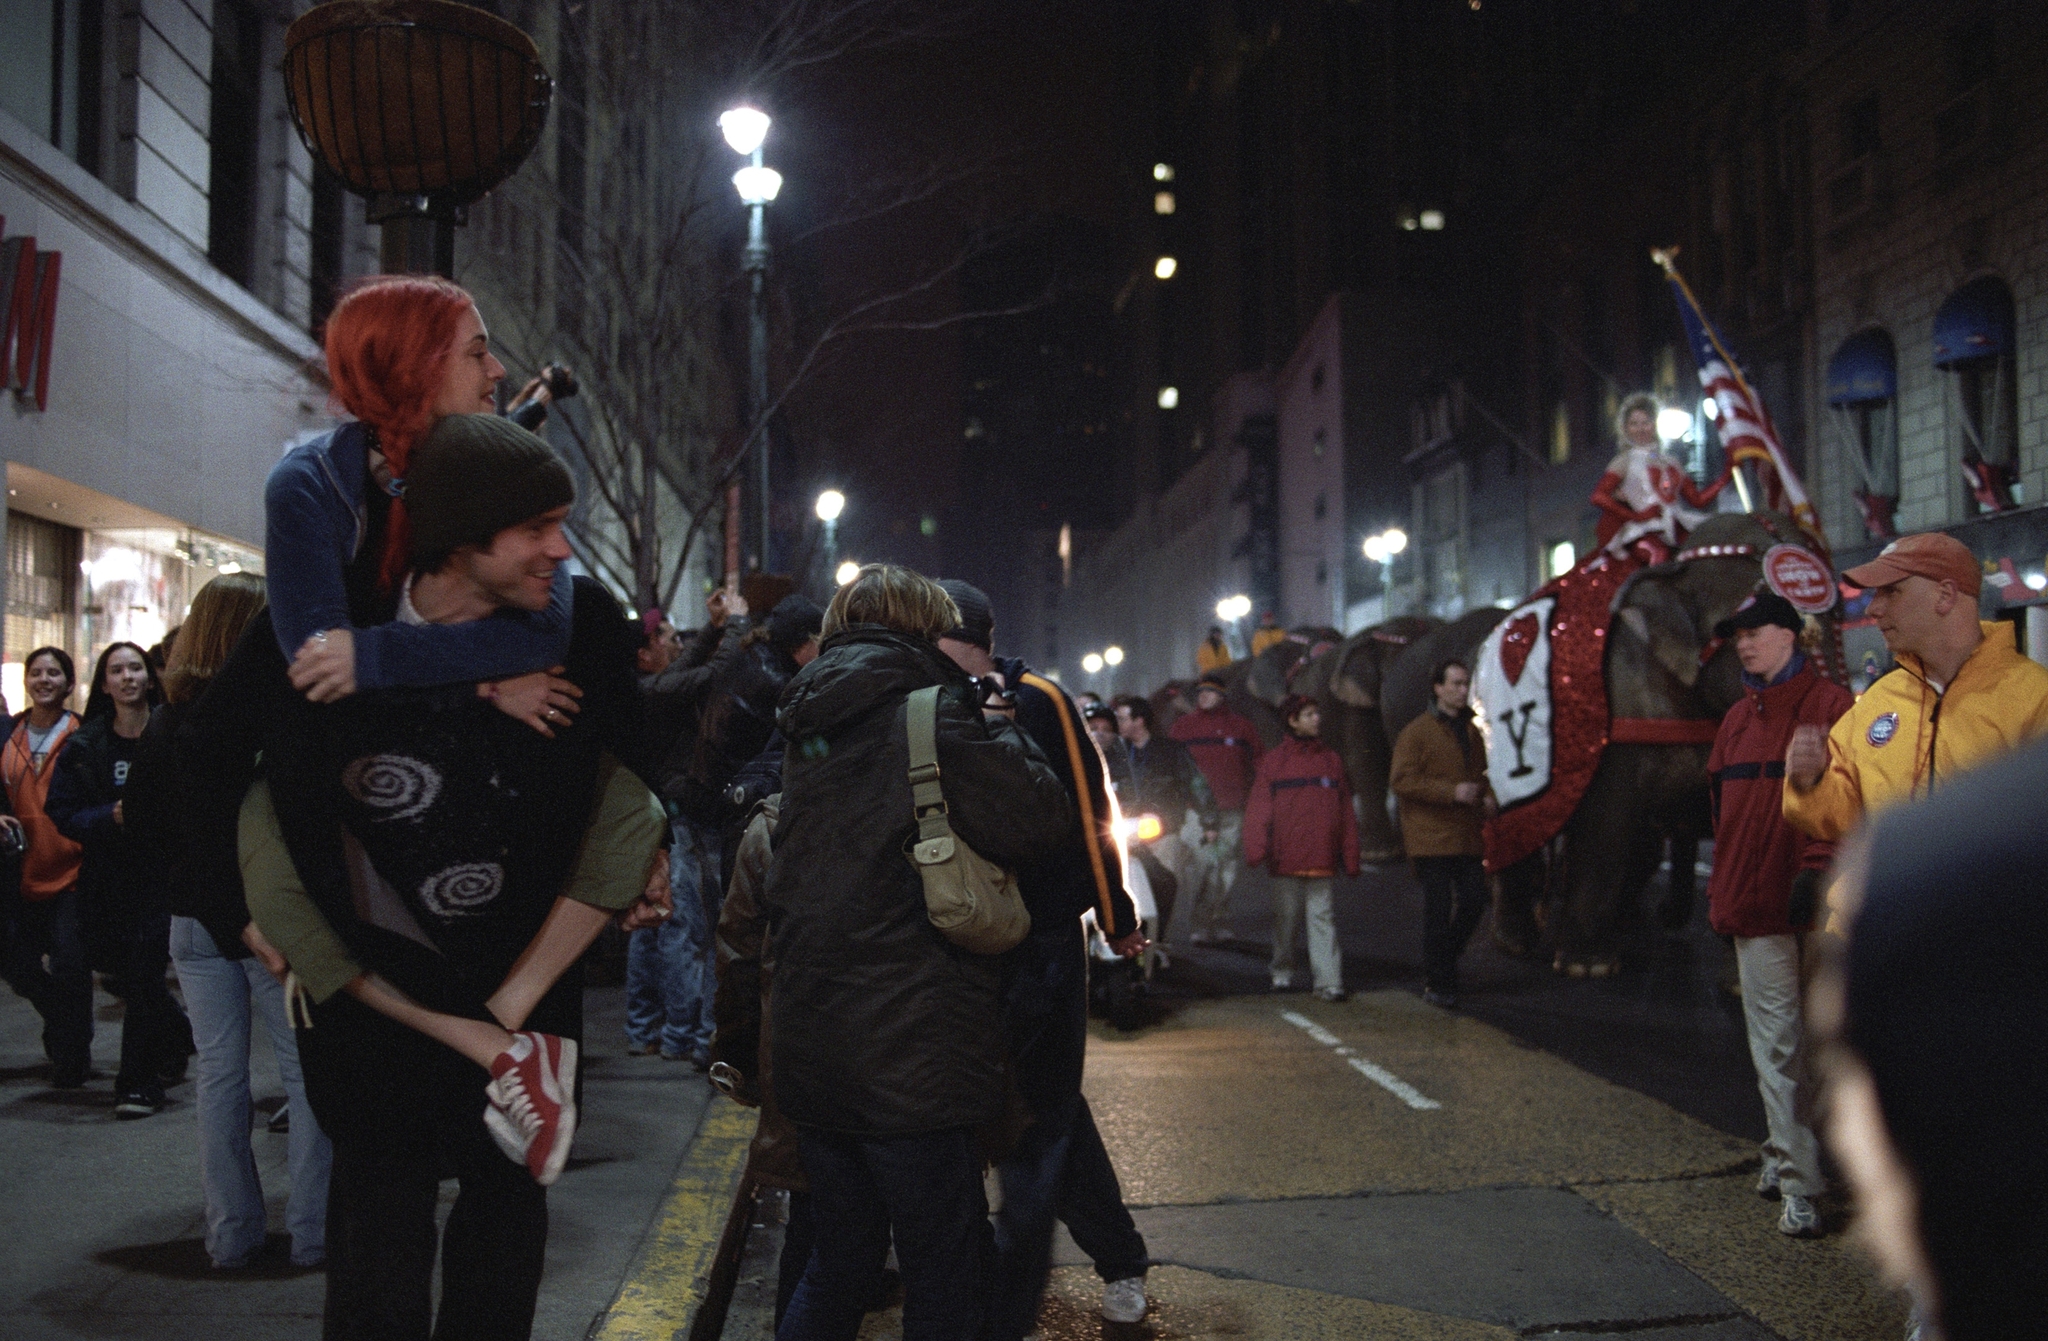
1556,1158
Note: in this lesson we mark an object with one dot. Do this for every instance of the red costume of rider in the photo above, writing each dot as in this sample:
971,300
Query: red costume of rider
1647,502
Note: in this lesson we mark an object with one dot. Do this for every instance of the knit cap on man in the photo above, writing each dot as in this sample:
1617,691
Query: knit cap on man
473,476
977,615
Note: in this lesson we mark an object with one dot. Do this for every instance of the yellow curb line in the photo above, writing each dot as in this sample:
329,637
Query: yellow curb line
671,1279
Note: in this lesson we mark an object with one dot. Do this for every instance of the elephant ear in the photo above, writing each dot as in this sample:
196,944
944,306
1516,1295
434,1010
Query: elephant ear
1355,676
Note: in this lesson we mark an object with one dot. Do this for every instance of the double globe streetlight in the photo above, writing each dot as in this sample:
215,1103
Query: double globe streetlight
745,129
830,504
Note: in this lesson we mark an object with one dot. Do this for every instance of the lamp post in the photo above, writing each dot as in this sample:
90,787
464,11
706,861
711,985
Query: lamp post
830,504
745,128
1230,610
1382,550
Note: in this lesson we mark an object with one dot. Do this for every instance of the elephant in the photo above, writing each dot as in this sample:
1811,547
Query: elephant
1641,797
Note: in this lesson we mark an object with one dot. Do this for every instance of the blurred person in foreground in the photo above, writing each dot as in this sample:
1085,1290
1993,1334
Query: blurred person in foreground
127,913
1225,746
1962,693
1439,773
1300,826
1932,1022
1766,877
1166,782
226,987
888,1038
1058,1168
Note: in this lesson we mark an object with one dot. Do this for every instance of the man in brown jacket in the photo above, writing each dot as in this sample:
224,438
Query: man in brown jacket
1439,774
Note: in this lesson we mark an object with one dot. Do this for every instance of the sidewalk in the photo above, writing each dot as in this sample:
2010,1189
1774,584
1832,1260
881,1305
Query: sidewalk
103,1220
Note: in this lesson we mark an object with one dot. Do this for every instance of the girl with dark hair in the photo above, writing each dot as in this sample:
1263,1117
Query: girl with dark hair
43,916
128,917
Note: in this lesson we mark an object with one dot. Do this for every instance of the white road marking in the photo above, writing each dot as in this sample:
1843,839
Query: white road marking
1378,1075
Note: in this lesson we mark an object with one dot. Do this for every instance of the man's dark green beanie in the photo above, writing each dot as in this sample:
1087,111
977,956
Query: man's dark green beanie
473,476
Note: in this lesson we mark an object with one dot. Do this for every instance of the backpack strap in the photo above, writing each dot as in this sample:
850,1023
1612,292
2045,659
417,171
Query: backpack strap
927,800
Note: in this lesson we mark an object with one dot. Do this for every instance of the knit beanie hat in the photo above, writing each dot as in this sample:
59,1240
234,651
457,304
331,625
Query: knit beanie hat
977,616
473,476
794,621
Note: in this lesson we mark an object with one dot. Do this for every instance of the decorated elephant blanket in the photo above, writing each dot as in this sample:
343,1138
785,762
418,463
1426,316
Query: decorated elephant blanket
1540,689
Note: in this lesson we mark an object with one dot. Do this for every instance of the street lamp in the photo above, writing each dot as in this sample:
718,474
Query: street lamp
1233,608
745,129
1092,663
830,504
1164,267
847,572
1382,548
1112,656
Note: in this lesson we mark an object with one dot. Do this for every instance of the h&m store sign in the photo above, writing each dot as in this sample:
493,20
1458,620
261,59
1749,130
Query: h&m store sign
28,316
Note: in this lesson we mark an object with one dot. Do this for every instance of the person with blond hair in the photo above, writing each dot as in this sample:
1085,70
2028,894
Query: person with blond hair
226,988
888,1045
1646,500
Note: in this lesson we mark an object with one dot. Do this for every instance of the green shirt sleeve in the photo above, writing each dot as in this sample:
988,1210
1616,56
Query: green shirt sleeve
280,906
627,829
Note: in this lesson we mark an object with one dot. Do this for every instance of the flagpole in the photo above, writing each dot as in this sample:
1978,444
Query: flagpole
1662,256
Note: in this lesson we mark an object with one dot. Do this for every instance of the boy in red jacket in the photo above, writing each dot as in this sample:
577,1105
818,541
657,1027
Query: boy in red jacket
1299,825
1766,876
1226,749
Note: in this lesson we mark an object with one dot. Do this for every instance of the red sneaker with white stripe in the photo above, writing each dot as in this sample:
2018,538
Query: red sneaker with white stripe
532,1109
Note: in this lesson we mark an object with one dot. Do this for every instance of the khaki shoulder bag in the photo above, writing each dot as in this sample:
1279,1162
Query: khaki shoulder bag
972,901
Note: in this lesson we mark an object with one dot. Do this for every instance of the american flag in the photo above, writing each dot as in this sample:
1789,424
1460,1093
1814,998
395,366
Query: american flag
1741,419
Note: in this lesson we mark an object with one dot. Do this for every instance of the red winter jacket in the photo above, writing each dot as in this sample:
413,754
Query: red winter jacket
1298,819
1756,853
1226,749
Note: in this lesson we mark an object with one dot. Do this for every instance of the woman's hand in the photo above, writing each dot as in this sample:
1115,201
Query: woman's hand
325,668
266,954
542,699
654,906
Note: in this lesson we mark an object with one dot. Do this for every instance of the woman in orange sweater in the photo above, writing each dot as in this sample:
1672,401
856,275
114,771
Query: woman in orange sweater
43,916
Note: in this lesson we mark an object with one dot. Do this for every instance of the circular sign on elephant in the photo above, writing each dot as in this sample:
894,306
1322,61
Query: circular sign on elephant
1800,578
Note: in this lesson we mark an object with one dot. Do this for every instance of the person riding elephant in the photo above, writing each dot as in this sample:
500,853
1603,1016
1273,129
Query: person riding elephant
1647,502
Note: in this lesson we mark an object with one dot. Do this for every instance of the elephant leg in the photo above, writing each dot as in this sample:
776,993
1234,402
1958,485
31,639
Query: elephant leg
1674,910
1604,869
1517,894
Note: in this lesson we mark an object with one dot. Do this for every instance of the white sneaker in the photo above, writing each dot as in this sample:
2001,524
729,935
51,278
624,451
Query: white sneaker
1124,1300
1767,1184
1799,1220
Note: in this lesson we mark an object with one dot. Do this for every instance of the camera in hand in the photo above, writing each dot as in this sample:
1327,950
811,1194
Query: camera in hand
12,841
560,383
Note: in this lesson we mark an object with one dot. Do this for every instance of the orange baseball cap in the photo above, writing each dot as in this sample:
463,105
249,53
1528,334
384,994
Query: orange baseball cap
1931,554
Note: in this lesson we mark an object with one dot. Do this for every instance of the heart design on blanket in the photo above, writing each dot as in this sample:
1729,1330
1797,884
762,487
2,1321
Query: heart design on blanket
1516,644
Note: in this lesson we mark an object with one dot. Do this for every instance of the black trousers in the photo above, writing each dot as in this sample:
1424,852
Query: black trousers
1454,898
1059,1168
155,1035
404,1112
61,993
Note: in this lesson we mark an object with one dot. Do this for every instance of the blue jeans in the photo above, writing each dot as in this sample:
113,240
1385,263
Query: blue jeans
62,993
669,977
220,994
925,1190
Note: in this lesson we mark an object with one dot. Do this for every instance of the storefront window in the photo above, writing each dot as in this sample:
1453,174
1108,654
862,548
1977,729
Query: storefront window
83,589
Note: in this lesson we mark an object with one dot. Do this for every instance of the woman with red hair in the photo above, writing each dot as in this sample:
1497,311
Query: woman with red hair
403,352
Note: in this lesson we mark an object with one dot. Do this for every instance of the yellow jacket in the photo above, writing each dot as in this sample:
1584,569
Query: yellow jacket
1211,657
1265,636
1894,745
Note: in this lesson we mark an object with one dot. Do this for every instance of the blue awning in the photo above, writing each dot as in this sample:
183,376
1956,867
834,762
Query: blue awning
1974,323
1864,369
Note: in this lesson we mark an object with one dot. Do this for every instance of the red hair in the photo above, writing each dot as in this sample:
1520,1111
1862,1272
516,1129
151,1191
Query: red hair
388,341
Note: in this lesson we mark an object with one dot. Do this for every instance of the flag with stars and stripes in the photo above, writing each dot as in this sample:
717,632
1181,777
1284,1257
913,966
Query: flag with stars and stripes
1740,417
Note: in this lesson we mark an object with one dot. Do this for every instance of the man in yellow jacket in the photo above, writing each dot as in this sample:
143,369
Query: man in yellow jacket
1961,696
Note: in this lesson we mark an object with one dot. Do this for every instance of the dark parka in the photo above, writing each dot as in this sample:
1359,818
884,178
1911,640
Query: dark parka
881,1026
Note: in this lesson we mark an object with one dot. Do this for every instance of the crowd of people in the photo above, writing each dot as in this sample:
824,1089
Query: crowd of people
385,798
